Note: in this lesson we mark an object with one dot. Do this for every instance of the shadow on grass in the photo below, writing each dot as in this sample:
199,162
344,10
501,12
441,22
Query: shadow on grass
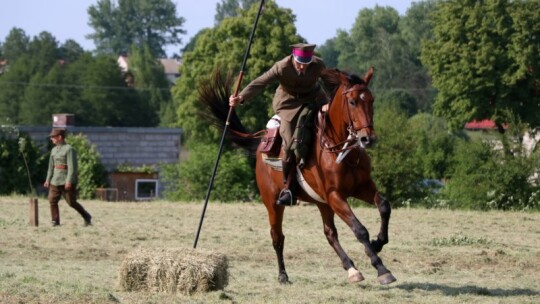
469,289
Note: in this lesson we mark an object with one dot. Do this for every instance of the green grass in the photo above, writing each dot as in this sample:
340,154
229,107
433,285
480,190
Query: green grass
438,256
459,240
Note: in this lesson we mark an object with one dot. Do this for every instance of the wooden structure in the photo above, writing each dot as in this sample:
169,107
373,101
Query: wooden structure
134,186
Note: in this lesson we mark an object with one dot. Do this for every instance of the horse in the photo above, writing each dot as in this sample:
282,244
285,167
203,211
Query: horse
338,166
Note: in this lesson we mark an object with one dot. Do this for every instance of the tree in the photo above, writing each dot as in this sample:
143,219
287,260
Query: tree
37,57
70,51
106,99
231,8
373,41
12,88
150,81
44,52
329,53
135,22
379,38
43,93
484,60
399,100
414,27
15,44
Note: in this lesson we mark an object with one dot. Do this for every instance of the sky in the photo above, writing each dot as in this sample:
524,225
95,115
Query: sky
316,20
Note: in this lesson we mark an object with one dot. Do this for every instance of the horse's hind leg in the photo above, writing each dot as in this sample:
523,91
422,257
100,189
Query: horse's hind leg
332,236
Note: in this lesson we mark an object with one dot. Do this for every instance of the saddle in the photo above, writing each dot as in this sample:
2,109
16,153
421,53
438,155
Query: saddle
270,144
270,147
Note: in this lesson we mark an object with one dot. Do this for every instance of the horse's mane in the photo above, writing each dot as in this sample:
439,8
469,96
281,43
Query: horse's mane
333,78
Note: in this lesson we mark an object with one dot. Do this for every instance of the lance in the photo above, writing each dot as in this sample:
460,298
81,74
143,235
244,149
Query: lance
240,76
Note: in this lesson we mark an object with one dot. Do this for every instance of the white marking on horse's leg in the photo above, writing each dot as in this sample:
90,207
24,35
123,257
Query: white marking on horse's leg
355,275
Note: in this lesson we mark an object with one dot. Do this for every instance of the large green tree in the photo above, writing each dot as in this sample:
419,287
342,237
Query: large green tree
107,100
48,78
414,27
34,60
380,37
120,24
150,81
484,60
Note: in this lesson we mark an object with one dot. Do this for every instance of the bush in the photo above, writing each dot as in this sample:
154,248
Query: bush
396,170
484,178
14,176
92,173
189,180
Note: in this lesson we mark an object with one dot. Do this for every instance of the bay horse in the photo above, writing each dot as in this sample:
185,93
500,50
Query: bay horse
338,166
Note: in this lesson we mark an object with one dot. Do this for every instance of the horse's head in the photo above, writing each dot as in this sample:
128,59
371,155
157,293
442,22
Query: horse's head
352,109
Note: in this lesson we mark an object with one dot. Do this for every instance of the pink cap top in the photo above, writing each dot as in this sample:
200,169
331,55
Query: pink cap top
302,53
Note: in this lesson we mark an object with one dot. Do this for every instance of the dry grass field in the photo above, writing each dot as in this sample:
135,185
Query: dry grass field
438,256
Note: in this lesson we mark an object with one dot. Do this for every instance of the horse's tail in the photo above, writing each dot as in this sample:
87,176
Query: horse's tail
214,95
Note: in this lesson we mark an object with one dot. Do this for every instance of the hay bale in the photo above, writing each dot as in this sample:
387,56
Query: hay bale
173,270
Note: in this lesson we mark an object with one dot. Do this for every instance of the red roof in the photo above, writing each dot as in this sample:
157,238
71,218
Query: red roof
485,124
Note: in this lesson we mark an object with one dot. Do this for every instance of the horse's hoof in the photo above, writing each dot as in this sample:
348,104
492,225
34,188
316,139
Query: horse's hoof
355,276
386,278
283,278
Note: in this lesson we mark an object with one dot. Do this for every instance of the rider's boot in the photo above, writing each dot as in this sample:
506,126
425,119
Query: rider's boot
286,196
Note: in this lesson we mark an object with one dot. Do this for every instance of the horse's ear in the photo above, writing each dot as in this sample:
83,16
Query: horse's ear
368,75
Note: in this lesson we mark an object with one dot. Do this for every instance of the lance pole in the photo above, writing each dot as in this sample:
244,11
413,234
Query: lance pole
240,76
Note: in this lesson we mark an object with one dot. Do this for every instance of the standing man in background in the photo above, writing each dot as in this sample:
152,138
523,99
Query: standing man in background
62,177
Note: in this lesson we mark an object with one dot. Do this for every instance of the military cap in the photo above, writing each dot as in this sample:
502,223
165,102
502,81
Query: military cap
303,52
56,132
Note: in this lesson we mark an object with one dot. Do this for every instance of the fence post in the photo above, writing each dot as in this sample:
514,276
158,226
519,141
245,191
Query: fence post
34,213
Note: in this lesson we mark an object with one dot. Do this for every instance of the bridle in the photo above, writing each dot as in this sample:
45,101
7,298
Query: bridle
352,141
351,128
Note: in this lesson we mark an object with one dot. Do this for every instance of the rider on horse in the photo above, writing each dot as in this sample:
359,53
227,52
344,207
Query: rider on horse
298,76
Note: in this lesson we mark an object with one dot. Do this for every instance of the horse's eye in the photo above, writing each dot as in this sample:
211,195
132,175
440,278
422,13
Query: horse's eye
352,102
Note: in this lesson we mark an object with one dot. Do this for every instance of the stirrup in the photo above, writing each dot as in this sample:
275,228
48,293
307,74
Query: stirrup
286,198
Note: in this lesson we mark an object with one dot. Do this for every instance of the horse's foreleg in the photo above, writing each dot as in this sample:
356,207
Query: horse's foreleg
331,234
371,195
384,210
343,210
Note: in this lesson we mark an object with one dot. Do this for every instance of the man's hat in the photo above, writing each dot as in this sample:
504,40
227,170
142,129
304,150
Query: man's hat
302,52
56,132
